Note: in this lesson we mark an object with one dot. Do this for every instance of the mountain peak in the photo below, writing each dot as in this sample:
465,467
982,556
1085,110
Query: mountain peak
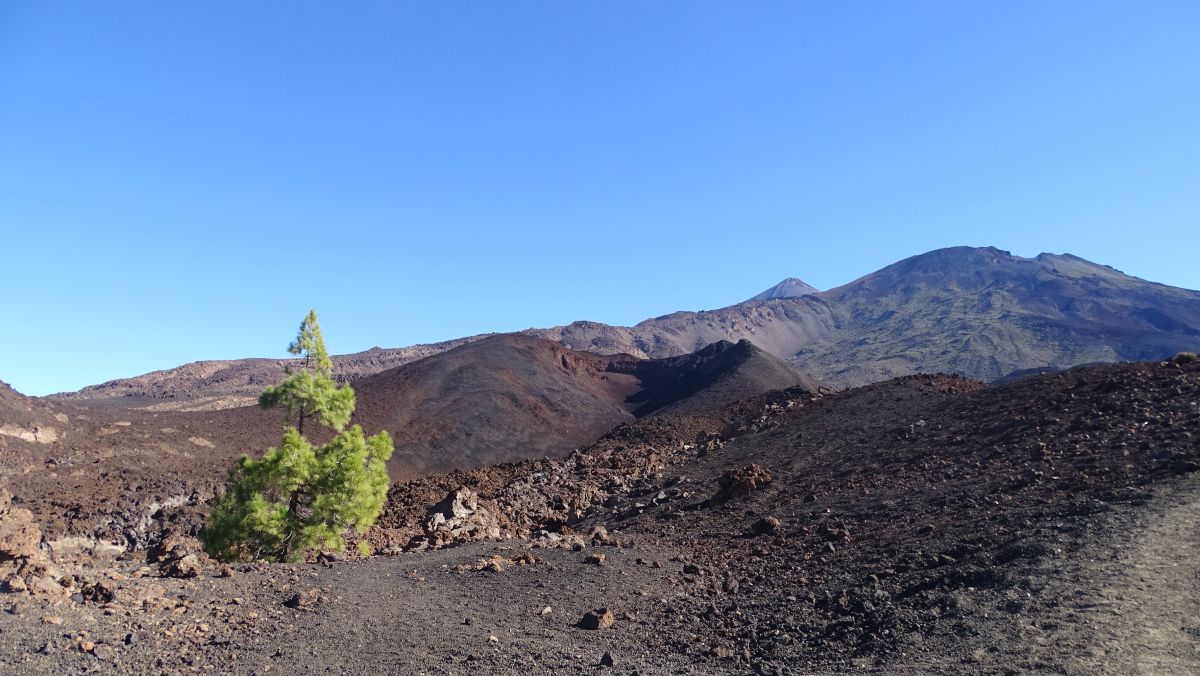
788,288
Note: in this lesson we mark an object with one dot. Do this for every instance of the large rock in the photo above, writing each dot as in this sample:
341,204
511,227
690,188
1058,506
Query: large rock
178,555
24,567
461,518
19,534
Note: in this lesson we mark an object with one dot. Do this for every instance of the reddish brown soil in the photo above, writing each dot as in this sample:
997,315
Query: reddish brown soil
107,471
925,525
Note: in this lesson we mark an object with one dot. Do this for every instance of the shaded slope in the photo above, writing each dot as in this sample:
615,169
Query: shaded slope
709,379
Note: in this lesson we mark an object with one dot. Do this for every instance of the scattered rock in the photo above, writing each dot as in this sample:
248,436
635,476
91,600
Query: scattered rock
600,618
177,555
185,567
103,652
741,481
305,599
768,525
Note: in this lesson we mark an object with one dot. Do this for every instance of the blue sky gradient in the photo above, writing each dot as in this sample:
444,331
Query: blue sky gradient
182,181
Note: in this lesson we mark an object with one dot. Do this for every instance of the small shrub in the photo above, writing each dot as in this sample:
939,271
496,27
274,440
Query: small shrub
1185,358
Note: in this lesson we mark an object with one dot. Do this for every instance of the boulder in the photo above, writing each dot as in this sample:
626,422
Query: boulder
741,481
460,517
600,618
768,525
184,567
19,533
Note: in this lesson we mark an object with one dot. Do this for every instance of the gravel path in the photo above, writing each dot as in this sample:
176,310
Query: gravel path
1140,607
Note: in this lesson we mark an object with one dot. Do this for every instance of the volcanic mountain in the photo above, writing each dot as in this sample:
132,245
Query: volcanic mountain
512,397
979,312
986,313
788,288
983,313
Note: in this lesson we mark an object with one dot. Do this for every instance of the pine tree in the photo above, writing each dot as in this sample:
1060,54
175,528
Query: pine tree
300,497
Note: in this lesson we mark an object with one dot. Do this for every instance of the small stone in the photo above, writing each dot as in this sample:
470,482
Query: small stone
86,646
493,639
607,660
600,618
52,619
305,599
103,652
767,526
595,559
547,610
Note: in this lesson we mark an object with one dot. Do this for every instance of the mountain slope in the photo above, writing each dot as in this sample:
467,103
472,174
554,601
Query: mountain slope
711,378
496,400
512,397
986,313
220,384
780,326
980,312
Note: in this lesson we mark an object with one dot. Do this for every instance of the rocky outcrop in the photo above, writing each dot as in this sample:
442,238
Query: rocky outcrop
178,556
461,518
24,567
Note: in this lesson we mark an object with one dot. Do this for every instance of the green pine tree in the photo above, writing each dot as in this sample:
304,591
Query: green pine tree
299,497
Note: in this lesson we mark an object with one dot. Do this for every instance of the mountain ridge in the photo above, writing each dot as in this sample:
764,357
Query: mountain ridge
978,311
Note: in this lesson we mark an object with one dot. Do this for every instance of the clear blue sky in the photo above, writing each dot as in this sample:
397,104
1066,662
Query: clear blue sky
182,181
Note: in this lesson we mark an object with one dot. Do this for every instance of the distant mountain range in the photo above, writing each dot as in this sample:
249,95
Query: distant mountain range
979,312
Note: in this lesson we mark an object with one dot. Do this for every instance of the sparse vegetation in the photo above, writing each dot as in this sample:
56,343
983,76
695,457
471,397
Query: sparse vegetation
1185,358
300,497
